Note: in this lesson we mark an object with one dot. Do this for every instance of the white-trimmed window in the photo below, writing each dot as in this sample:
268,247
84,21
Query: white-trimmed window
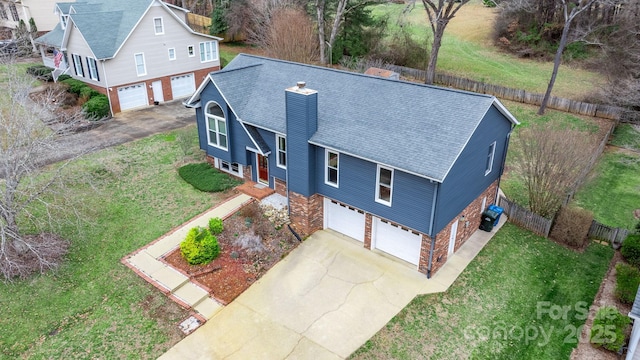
172,53
332,168
232,168
281,145
92,65
14,11
141,69
3,13
77,64
191,51
216,126
384,188
208,51
490,155
158,26
63,21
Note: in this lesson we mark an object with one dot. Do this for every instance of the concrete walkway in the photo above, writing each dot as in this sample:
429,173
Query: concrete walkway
147,262
323,301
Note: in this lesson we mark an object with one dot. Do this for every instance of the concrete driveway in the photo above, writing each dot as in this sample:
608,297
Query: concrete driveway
323,301
124,127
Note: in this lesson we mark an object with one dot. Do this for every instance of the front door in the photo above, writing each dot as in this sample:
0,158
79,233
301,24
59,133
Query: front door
158,95
452,237
263,169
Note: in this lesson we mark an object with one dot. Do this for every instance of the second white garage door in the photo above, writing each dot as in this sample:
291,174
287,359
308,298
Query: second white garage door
132,96
344,219
396,241
183,85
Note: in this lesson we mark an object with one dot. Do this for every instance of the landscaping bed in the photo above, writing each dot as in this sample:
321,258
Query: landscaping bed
250,244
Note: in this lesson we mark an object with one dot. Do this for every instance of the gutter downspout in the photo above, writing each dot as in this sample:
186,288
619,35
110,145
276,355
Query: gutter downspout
106,84
286,176
433,240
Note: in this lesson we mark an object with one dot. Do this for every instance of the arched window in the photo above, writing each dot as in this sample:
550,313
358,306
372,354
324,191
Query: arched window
216,125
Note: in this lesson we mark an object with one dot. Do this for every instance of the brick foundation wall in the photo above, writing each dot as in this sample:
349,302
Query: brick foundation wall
306,213
281,186
199,76
368,222
246,172
466,228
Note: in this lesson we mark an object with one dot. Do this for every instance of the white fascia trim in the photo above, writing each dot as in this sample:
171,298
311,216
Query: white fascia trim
504,111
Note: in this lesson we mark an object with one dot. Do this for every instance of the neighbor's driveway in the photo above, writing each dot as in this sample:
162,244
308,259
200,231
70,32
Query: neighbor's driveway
124,127
322,301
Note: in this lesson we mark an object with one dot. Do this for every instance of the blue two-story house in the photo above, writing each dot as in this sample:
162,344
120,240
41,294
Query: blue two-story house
404,168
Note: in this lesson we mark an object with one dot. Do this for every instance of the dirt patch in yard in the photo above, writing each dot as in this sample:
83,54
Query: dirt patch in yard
605,296
251,243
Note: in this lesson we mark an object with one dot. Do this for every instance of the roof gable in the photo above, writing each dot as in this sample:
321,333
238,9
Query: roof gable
413,127
121,18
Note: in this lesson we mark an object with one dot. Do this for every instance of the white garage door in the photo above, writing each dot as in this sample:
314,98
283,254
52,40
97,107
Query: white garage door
183,85
132,96
396,241
344,219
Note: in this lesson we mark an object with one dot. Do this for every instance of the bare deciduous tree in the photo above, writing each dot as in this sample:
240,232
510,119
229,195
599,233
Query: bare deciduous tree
439,13
341,8
292,36
570,11
551,161
31,201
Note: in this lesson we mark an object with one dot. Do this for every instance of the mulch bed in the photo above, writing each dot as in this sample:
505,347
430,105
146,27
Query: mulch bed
249,246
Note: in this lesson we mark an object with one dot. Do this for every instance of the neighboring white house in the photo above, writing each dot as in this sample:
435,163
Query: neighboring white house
137,52
12,11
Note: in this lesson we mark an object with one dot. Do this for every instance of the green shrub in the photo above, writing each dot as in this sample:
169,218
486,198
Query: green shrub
204,177
75,86
40,71
63,77
215,226
199,247
608,329
627,281
88,92
631,250
97,107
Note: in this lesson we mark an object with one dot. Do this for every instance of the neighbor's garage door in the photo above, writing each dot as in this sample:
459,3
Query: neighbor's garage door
132,96
396,241
344,219
183,85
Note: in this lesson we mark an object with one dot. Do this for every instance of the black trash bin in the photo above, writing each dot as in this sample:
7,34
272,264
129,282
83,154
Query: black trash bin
488,219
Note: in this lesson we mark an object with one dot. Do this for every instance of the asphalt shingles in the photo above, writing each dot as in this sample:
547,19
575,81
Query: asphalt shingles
413,127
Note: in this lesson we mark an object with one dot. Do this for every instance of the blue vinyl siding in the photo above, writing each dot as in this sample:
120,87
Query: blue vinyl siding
412,195
466,179
302,117
274,171
238,139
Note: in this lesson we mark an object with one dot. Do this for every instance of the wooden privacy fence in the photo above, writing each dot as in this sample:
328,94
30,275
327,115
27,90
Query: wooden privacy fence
542,226
603,232
199,23
525,218
571,106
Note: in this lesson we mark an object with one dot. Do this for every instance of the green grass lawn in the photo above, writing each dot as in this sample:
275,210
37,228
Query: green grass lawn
613,191
93,306
499,307
467,50
627,136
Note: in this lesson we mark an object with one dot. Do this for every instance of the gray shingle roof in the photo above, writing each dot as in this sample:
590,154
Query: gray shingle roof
413,127
52,38
105,24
